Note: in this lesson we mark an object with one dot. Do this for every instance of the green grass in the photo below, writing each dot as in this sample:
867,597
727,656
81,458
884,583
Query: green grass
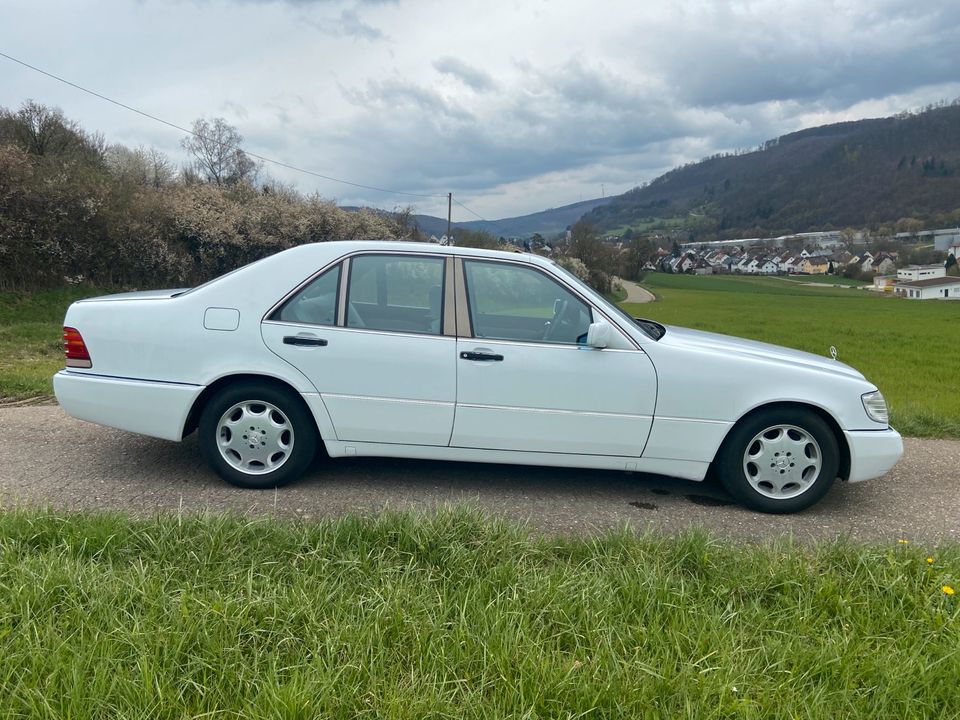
31,342
456,616
617,294
828,280
908,348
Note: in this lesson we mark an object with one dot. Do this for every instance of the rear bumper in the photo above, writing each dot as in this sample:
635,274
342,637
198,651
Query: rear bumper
873,452
150,408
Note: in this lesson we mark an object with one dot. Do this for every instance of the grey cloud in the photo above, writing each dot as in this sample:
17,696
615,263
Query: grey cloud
470,76
351,25
401,96
821,56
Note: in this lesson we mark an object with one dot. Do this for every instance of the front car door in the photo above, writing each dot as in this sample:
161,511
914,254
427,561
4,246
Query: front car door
371,335
526,379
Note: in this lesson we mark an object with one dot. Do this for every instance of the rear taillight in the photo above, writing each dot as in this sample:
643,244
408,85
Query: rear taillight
75,349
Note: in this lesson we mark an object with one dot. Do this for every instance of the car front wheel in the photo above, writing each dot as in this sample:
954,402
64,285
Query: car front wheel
257,436
779,461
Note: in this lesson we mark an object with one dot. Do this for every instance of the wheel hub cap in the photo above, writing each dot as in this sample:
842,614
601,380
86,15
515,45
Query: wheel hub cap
782,461
255,437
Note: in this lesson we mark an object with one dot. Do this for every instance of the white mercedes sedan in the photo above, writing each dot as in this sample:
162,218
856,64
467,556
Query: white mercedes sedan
445,353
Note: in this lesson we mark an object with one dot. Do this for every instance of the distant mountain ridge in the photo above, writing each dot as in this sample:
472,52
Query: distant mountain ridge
546,222
859,173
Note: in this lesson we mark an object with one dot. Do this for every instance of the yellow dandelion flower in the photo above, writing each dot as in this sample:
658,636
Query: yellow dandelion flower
947,590
903,541
929,561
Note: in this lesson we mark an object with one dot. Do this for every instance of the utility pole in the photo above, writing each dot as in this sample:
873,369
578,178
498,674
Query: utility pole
603,191
449,214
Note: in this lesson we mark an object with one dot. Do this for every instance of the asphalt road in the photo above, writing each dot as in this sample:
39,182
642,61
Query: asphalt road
637,294
49,459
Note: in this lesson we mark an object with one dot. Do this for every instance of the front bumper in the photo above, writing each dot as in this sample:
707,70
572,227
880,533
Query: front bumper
872,452
158,409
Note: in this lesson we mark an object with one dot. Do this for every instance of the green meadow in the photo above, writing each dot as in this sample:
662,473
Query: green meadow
909,349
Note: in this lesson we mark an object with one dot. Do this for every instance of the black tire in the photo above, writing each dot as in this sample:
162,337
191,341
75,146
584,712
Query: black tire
273,417
792,446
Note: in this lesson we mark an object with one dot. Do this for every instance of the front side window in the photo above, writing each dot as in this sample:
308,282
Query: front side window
402,293
315,304
512,302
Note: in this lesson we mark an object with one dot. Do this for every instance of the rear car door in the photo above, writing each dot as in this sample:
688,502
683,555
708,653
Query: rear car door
371,335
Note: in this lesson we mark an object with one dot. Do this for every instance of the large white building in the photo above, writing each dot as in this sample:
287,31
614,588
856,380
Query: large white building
930,289
920,272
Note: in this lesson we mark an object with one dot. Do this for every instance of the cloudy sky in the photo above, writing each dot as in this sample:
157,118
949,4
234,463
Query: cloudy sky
513,106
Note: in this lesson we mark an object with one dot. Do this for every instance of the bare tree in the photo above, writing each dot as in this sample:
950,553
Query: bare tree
143,166
44,131
218,155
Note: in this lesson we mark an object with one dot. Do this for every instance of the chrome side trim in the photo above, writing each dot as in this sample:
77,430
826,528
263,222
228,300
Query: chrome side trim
549,411
371,398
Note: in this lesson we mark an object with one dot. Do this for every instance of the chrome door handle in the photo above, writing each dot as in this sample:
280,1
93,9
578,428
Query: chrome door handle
481,356
304,341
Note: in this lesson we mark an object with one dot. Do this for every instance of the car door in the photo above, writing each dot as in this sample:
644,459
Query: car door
526,379
371,335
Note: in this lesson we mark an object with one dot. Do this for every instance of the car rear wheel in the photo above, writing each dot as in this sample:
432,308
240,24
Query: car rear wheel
257,436
779,461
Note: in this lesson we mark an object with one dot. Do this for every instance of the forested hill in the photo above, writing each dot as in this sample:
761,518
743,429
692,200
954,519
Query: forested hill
865,173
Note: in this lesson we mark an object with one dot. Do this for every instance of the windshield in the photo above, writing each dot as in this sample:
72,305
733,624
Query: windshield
651,329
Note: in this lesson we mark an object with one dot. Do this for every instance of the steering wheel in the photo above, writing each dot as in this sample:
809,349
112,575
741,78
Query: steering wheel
551,327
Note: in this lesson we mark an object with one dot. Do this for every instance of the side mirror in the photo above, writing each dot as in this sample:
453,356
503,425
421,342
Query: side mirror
599,334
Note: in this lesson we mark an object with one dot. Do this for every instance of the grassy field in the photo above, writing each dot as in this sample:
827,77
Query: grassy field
909,349
456,616
828,280
31,348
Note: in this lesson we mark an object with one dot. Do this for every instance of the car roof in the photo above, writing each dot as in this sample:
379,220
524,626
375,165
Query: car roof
348,246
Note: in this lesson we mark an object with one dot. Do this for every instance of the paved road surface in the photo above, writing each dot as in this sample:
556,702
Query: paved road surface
637,294
49,459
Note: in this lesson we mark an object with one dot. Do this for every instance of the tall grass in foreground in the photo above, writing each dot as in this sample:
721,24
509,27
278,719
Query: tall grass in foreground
454,615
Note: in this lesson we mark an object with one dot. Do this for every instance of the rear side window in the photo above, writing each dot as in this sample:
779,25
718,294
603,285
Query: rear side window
315,304
401,293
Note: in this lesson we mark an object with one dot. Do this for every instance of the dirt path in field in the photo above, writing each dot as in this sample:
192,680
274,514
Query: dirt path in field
637,294
49,459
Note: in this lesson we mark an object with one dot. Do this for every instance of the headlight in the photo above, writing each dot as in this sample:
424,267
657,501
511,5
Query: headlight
875,406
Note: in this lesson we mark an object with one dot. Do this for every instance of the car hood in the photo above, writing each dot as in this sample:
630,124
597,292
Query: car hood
726,344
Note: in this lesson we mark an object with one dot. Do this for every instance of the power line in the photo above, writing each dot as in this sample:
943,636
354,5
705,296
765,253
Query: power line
264,158
471,211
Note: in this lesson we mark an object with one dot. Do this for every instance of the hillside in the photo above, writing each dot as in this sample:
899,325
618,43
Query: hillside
862,173
546,222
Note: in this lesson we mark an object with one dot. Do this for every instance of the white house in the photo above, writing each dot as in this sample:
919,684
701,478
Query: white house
790,264
884,264
934,288
767,266
920,272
